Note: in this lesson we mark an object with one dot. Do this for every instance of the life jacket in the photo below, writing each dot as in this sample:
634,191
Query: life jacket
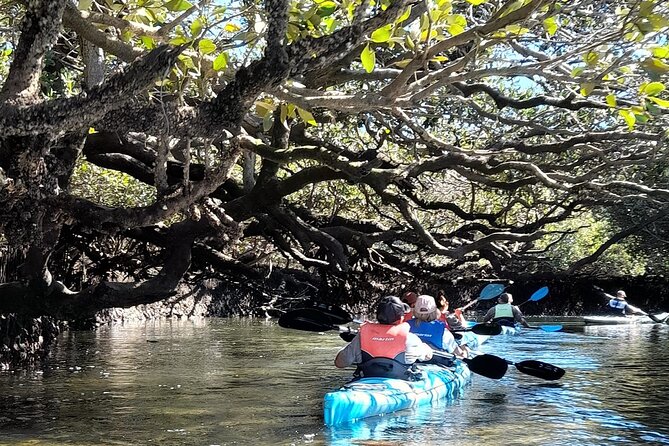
504,314
384,350
444,317
617,306
429,332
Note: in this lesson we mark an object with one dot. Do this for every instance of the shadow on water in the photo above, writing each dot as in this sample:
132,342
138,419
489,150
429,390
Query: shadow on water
238,381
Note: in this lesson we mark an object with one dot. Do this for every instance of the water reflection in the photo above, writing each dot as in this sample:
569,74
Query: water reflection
239,381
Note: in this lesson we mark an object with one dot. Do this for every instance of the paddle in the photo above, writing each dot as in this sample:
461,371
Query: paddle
546,328
537,295
488,292
312,319
633,308
490,366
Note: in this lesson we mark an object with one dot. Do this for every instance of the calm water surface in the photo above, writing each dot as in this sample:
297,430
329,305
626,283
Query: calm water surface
247,382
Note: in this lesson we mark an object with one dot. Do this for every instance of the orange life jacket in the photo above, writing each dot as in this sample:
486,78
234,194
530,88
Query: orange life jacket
383,350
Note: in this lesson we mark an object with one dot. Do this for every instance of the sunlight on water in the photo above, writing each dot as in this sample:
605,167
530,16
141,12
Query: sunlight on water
237,382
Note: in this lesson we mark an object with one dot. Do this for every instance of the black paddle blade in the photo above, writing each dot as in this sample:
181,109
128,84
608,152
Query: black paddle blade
306,319
492,329
540,369
490,366
330,314
347,335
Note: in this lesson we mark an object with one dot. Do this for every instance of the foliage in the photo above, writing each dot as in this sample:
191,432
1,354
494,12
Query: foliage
360,142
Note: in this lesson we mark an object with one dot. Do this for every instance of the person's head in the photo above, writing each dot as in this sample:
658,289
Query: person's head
409,298
390,310
441,301
425,309
621,295
505,298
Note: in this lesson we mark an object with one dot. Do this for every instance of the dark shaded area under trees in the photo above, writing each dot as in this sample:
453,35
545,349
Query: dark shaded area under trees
293,151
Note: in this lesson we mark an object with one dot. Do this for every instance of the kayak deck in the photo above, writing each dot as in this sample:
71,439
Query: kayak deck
368,397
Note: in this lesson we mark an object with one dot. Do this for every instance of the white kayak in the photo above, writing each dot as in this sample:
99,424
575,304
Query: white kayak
622,320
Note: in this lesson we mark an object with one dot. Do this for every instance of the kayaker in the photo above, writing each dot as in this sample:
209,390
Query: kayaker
505,313
618,305
430,329
455,320
385,349
409,298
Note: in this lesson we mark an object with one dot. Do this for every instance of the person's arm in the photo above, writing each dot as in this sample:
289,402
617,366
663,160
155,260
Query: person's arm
634,310
417,350
518,317
489,315
349,355
449,344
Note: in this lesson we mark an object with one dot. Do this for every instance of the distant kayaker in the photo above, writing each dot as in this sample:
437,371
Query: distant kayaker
505,313
430,329
385,349
455,320
618,305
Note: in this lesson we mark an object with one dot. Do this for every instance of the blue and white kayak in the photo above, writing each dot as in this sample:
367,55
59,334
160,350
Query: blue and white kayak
368,397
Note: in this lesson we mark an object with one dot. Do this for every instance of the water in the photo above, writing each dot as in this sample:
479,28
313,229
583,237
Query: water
250,382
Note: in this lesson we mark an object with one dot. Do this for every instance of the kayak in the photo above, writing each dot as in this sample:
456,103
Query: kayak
510,330
367,397
622,320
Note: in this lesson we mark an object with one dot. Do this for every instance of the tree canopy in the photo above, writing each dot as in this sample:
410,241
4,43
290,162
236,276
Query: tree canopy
331,144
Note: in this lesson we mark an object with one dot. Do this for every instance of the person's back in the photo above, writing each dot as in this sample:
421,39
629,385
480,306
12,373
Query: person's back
387,348
505,313
617,304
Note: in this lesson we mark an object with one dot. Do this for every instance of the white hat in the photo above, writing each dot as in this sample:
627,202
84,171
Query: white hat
621,294
424,304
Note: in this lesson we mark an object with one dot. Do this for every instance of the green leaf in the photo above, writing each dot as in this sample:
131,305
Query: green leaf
267,122
306,116
148,42
576,71
178,5
629,118
368,59
611,100
326,8
206,46
382,34
221,62
550,25
85,5
179,40
661,52
196,27
655,66
404,16
591,57
586,88
652,89
264,108
661,102
476,2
